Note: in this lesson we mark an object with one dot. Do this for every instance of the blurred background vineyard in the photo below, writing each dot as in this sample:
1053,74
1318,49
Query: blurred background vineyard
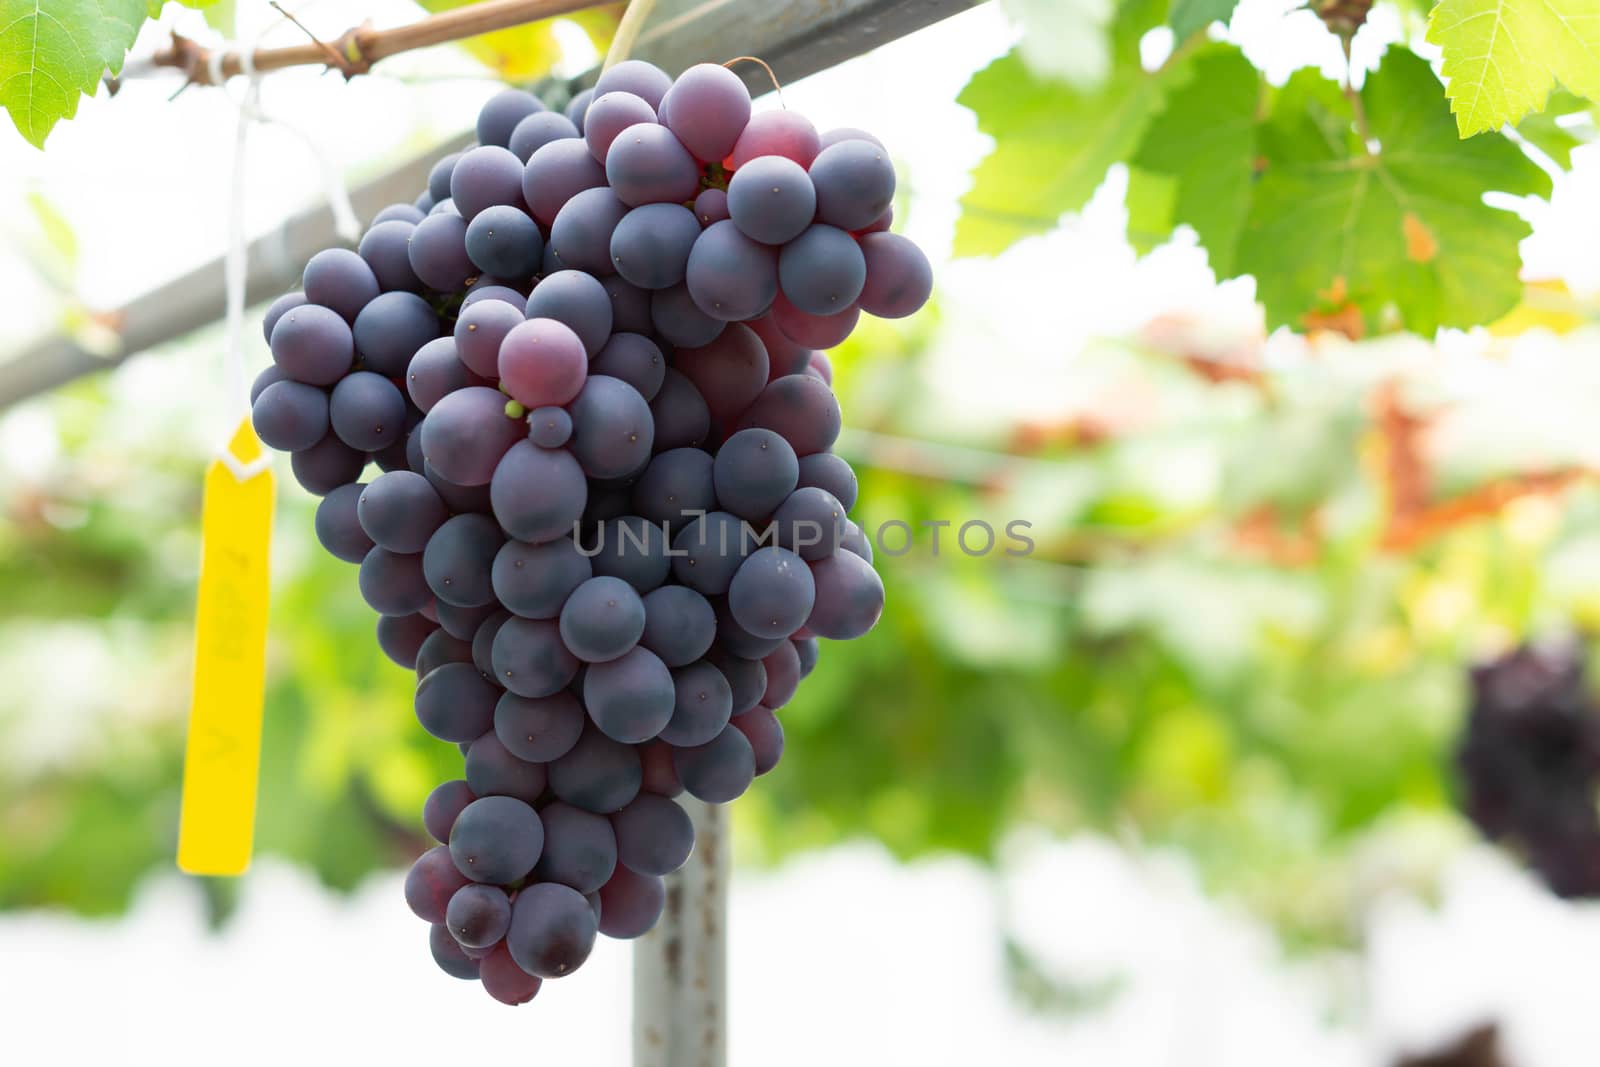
1263,561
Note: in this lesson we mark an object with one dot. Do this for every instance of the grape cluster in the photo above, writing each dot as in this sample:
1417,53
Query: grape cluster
608,530
1530,764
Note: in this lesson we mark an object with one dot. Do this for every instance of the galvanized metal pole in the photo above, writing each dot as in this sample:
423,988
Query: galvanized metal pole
680,969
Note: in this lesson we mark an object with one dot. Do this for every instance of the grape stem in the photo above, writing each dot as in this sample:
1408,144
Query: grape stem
764,65
358,48
622,42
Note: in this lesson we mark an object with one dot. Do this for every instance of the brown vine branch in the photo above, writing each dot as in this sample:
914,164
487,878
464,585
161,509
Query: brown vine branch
358,48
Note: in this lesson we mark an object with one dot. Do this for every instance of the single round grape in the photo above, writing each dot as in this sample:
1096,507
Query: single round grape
338,528
290,415
739,640
462,622
630,698
679,320
484,177
755,470
644,80
467,433
542,362
677,484
483,643
556,172
312,344
612,429
436,370
719,770
631,904
480,329
339,279
552,930
445,207
659,778
326,465
800,409
367,411
501,114
578,106
899,278
386,248
810,523
821,272
777,133
708,108
459,557
602,619
806,648
400,511
608,116
398,212
401,637
679,624
729,373
633,550
455,703
746,677
478,915
501,293
702,705
439,648
538,130
812,331
581,233
710,206
784,356
765,734
708,550
538,494
832,473
650,245
634,359
849,597
277,309
538,729
598,775
847,133
504,980
855,183
654,835
529,658
771,200
492,770
783,675
647,164
460,499
502,240
439,252
772,593
391,329
496,840
580,848
535,580
449,955
549,427
856,541
730,276
679,412
630,306
578,300
431,882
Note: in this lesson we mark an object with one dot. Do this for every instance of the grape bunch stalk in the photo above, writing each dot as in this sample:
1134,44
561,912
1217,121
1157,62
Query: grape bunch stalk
1530,764
607,529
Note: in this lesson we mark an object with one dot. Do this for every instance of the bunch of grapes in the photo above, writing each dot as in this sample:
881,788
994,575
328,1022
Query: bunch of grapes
1530,764
607,530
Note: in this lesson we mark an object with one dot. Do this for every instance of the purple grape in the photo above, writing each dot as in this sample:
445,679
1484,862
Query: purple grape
439,648
608,116
810,523
436,370
367,411
400,511
535,580
496,840
849,597
746,677
717,771
290,415
783,675
630,306
800,409
578,106
680,414
438,252
601,620
679,320
651,244
612,429
755,470
502,113
631,904
676,484
401,637
765,734
450,957
772,593
580,848
899,279
711,206
549,427
277,309
431,882
855,183
644,80
542,362
598,775
455,703
822,270
386,248
478,915
539,729
581,234
831,473
771,200
702,705
529,658
485,177
538,130
327,465
556,172
777,133
446,802
578,300
503,241
708,108
679,624
494,771
552,930
312,344
635,359
467,433
654,835
337,526
391,329
630,698
462,622
400,213
459,557
504,980
729,372
730,276
538,494
648,165
479,331
811,331
339,279
708,550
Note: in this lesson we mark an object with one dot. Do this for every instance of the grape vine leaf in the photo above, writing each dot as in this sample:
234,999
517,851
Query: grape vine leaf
1191,16
1385,230
1053,141
1556,140
1502,57
527,51
52,51
1064,39
1195,164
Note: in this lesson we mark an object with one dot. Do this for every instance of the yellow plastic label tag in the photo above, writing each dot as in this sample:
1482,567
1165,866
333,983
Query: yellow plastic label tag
223,759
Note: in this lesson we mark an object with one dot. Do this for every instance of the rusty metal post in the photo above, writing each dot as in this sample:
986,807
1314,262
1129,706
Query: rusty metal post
680,969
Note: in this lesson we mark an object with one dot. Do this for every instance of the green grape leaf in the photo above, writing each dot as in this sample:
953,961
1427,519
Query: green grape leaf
1204,144
1191,16
1502,57
1542,130
522,53
1393,235
1064,39
53,51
